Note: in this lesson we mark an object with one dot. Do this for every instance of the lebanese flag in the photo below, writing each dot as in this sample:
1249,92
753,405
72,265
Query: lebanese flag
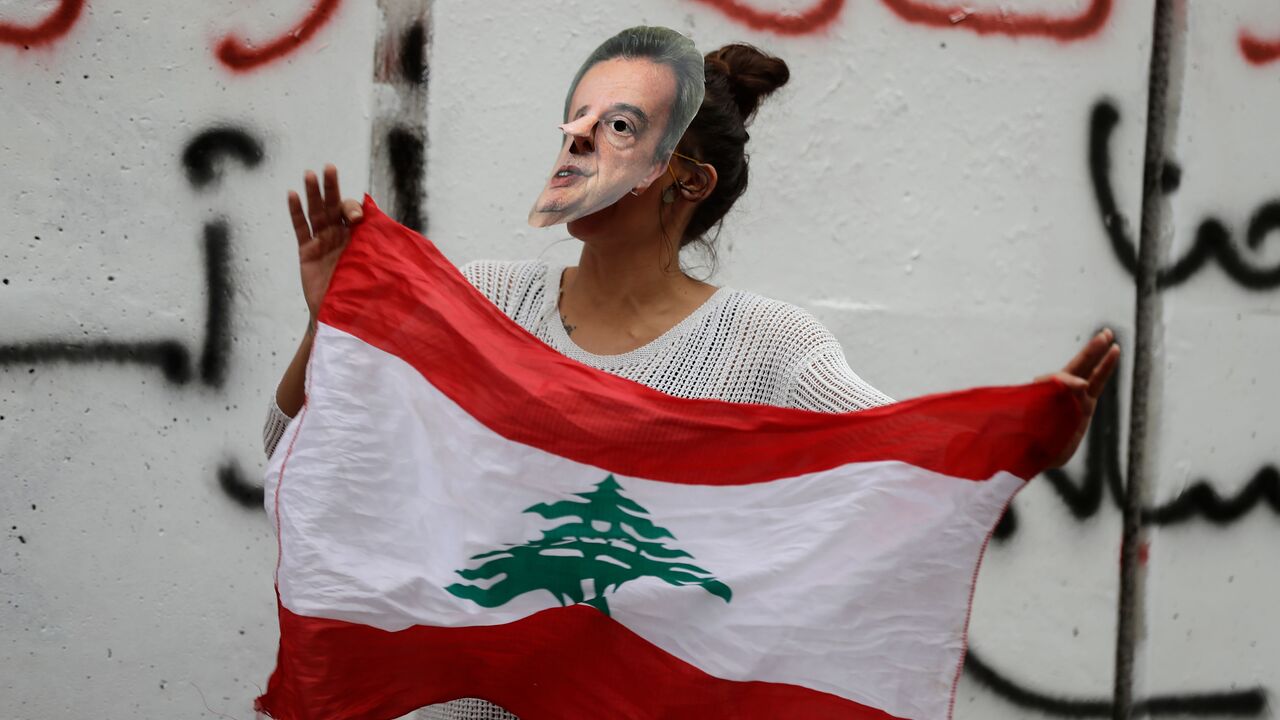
464,512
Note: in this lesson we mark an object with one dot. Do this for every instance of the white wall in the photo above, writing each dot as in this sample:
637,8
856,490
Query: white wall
1210,614
132,586
925,190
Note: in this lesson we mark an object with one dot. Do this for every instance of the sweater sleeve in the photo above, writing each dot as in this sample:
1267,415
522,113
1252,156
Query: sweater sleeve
824,382
273,427
820,379
504,282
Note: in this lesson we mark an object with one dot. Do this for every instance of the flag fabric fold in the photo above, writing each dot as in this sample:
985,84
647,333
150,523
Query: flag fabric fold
461,511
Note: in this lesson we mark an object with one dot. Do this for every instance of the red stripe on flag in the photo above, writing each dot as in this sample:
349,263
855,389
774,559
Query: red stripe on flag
570,662
394,290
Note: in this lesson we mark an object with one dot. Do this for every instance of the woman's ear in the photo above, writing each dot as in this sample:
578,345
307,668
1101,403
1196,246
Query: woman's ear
700,183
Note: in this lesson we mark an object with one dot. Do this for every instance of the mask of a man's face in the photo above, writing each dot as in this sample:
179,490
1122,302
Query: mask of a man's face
617,116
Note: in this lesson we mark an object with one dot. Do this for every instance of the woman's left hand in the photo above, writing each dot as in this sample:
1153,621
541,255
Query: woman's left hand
1086,374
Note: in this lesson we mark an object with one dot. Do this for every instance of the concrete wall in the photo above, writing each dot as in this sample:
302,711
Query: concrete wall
148,299
1215,490
953,194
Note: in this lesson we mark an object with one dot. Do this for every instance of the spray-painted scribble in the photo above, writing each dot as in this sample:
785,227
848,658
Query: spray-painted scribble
53,26
1066,27
407,155
170,357
1103,477
1259,50
1001,21
1212,239
413,53
234,485
1249,702
207,151
809,20
244,55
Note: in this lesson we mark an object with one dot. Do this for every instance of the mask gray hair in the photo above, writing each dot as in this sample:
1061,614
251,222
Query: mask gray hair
665,47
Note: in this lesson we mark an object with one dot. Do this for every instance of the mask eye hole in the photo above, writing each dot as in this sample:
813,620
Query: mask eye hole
620,126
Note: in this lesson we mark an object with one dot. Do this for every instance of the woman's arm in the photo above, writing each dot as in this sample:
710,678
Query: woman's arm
290,392
322,231
824,382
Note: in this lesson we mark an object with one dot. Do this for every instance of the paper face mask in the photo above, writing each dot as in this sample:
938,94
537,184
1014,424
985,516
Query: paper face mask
623,117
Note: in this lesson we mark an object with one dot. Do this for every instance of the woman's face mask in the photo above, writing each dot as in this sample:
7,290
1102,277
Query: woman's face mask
618,115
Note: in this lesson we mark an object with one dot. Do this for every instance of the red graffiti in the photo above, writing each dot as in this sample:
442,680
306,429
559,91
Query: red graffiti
810,20
1258,51
241,55
1002,22
984,22
54,26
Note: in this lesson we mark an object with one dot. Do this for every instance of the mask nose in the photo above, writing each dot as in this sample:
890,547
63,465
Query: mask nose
582,133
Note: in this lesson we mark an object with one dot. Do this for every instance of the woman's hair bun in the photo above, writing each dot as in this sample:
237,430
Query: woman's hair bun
752,74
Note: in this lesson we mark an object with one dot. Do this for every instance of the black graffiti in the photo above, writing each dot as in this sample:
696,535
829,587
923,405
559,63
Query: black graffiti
215,357
1212,238
205,155
203,158
1103,477
171,357
413,54
407,153
168,355
238,488
1234,703
1201,500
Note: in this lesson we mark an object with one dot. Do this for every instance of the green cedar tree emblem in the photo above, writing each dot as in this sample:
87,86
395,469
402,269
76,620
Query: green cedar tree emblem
608,541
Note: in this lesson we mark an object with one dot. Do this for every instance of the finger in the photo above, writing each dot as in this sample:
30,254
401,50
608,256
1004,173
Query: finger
315,204
1075,383
352,211
1104,370
300,227
332,196
1083,364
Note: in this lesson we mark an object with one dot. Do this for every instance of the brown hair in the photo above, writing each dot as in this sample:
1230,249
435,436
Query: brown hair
738,77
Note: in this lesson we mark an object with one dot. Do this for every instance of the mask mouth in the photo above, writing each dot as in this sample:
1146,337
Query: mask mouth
565,171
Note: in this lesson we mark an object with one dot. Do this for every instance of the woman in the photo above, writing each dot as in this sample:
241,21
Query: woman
627,307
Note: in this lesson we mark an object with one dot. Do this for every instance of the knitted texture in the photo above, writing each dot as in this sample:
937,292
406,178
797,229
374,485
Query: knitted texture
464,709
738,346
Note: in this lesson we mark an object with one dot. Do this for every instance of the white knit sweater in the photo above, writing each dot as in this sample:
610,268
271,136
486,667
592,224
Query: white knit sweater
738,347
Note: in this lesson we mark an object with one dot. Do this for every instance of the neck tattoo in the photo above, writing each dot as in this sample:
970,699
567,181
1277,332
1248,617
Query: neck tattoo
568,328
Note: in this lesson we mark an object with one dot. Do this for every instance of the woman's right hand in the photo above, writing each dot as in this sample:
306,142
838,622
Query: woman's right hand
322,240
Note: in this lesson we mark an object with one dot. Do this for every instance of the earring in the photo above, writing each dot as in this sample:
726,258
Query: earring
669,195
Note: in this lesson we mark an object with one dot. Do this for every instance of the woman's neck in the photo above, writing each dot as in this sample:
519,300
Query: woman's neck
626,279
624,296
